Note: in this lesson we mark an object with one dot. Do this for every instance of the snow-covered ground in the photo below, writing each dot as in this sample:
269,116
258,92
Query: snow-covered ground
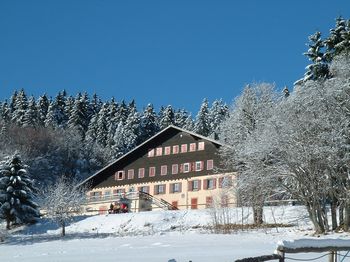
156,236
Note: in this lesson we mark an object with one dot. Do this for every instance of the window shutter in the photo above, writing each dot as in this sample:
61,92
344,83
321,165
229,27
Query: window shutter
199,184
171,189
147,189
193,166
205,184
202,165
181,168
180,187
190,186
156,190
214,183
221,179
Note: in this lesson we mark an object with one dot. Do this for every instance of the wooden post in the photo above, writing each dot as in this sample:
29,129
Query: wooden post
332,256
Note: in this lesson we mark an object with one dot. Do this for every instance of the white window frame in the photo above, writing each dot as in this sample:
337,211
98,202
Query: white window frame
159,151
176,166
195,185
119,175
193,147
162,169
151,153
149,170
186,170
210,164
176,149
201,146
167,150
131,173
184,148
198,166
141,172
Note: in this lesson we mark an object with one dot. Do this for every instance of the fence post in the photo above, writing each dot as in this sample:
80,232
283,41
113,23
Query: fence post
332,256
281,254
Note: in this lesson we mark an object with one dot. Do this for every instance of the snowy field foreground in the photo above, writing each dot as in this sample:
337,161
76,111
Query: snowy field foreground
156,237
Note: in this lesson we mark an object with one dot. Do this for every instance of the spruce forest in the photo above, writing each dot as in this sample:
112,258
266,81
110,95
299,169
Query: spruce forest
75,136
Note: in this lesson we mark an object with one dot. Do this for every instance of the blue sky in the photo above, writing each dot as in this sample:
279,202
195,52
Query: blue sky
164,52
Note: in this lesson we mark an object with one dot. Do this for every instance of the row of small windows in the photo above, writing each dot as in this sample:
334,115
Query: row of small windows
176,149
175,169
193,185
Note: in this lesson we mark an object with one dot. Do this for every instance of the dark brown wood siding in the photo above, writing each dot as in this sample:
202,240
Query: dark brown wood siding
139,159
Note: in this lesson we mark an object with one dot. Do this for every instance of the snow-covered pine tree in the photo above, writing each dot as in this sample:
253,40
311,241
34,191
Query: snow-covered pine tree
21,107
149,125
202,125
218,112
119,147
78,119
5,113
17,193
31,116
132,129
336,36
95,105
42,107
12,104
181,116
122,112
102,126
166,117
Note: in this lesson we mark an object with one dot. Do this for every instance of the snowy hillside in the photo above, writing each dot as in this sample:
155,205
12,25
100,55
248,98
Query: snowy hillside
155,237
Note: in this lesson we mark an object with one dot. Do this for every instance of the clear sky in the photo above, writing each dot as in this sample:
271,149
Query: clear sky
164,52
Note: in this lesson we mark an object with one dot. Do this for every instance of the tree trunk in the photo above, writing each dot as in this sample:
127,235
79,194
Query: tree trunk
334,214
341,215
258,215
8,222
346,216
63,225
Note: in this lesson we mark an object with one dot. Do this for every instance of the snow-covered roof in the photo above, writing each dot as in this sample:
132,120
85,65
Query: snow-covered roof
145,142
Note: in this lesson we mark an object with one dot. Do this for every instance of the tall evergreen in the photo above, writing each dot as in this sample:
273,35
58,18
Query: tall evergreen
149,125
17,193
102,126
5,112
20,107
42,107
166,117
202,125
31,115
218,112
78,119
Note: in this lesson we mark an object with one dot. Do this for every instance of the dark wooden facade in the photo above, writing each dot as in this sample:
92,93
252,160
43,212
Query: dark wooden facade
139,158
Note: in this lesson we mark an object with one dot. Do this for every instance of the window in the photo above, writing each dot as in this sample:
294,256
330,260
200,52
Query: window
175,169
118,191
186,167
141,172
95,195
175,188
194,185
175,149
107,194
210,183
144,189
119,175
192,147
167,150
159,189
159,151
131,174
151,153
199,166
183,148
201,146
210,164
152,171
163,170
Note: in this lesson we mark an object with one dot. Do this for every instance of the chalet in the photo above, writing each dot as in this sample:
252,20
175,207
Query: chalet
174,169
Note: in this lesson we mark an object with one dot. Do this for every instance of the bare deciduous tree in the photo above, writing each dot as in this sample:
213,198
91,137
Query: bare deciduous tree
63,200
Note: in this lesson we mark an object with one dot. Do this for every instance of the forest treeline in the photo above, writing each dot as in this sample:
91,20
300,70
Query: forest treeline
68,135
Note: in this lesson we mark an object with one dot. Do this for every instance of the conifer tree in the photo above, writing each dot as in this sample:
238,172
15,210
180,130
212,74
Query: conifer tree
218,112
21,106
5,112
149,126
102,126
17,193
202,125
31,116
42,107
167,117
